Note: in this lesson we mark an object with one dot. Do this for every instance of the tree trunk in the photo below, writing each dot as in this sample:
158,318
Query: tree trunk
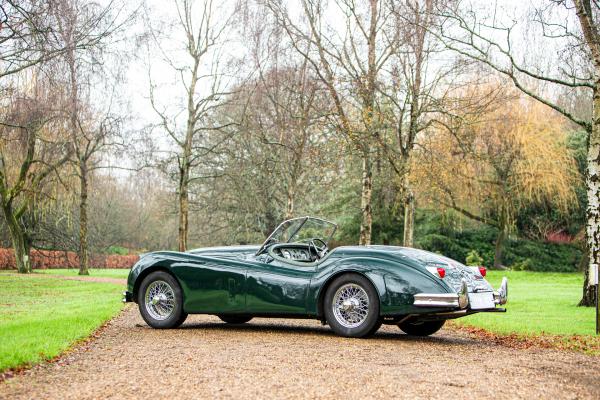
83,219
289,210
21,243
593,195
409,214
499,247
588,298
365,200
183,206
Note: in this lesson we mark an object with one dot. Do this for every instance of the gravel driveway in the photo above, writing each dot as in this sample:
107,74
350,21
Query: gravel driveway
272,358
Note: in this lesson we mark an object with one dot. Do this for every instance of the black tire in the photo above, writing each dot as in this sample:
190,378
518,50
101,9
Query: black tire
234,319
176,317
375,328
424,328
371,321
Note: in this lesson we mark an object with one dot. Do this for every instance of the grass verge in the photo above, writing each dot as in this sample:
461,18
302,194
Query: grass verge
538,303
40,317
99,272
541,311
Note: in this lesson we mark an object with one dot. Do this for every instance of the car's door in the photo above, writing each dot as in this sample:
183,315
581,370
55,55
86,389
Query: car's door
213,285
276,287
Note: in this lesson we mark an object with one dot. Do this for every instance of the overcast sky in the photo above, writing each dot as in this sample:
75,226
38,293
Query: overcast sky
162,13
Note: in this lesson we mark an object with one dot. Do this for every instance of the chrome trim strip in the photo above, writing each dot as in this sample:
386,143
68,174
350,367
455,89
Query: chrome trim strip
436,300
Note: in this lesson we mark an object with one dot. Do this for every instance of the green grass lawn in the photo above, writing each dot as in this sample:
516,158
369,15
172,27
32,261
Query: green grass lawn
100,272
41,317
538,302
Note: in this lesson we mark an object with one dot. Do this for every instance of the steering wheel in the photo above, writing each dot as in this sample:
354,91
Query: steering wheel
321,250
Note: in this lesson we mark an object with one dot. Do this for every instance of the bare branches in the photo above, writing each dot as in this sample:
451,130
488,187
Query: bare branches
205,89
465,35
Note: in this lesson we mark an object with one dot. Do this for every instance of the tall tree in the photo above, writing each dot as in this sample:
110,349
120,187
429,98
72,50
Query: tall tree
204,27
349,61
33,147
29,39
92,125
415,92
288,113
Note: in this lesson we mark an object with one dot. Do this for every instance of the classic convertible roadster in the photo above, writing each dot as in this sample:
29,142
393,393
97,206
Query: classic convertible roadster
353,289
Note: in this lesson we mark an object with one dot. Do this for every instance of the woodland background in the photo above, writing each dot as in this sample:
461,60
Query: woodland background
461,127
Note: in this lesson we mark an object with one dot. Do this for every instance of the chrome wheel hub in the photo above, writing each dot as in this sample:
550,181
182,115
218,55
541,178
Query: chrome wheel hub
350,305
160,300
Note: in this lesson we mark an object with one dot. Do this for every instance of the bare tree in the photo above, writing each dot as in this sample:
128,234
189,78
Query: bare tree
289,110
29,35
93,126
417,86
204,26
572,26
350,65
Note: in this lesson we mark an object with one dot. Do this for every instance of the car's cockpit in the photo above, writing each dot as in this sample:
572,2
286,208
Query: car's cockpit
295,252
299,240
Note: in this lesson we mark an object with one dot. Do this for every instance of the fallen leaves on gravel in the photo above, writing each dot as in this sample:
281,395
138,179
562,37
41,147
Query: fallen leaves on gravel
585,344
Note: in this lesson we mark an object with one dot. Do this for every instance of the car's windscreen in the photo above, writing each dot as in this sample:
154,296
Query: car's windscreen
313,228
284,232
298,229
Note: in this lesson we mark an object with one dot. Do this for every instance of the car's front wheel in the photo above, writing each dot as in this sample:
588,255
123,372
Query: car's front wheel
160,300
235,319
351,306
423,328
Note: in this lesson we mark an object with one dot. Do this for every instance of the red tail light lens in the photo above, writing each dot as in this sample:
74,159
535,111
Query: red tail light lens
482,271
441,272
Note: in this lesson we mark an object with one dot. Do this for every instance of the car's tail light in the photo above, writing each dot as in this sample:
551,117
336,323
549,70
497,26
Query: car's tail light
441,272
482,271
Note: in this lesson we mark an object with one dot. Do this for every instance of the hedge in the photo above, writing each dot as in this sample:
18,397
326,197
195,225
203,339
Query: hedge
46,259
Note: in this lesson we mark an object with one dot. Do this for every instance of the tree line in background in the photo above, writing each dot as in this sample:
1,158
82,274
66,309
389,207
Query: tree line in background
425,123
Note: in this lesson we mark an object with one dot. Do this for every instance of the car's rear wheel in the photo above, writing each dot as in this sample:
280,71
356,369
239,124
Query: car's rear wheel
423,328
235,319
160,300
351,306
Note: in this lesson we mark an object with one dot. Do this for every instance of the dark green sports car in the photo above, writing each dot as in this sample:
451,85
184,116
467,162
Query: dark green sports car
293,274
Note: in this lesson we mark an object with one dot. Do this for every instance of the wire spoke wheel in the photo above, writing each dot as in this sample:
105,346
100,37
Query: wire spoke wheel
350,305
160,300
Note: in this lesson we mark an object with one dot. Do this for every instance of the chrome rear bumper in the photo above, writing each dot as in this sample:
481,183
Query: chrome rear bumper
457,300
501,296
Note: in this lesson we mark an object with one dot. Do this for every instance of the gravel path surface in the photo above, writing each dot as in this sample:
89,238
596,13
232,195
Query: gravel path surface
274,358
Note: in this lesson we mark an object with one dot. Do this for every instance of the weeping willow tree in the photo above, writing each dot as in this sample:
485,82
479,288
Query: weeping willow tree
33,148
489,165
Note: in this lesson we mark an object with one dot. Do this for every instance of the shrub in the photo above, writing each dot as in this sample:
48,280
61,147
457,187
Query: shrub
473,258
524,265
458,242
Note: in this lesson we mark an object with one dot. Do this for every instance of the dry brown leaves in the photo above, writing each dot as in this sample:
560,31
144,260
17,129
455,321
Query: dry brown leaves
581,343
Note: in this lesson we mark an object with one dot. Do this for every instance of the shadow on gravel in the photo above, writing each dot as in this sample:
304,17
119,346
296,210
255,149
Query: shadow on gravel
324,331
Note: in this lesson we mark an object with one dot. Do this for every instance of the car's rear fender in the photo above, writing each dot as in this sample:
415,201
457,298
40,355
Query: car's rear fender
397,295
